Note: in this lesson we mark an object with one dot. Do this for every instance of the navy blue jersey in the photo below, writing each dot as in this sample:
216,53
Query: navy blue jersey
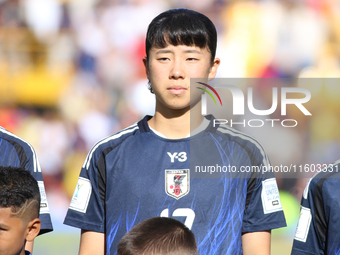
16,152
135,174
318,230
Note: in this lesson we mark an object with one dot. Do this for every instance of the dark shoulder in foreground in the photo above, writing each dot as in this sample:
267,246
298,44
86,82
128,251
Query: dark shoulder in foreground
17,152
328,172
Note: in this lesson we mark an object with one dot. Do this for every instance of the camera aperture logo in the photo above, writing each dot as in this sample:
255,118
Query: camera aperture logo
213,90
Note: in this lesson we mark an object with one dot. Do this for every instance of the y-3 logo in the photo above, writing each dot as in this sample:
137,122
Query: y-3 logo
181,157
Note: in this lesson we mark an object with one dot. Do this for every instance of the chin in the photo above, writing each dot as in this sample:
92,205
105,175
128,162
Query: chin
180,108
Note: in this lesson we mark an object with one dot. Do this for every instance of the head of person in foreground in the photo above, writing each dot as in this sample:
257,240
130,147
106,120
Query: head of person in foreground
19,210
158,236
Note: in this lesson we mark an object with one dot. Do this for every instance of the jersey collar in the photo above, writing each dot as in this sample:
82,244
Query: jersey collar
144,126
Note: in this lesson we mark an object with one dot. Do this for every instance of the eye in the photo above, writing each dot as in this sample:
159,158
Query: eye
164,59
192,59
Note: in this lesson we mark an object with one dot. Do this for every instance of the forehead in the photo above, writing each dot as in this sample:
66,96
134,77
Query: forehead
180,49
185,48
5,212
7,218
176,38
177,41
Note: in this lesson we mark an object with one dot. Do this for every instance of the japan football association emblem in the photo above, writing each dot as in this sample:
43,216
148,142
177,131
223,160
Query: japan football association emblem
177,183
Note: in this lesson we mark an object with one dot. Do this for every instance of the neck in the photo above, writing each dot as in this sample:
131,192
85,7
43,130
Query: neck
176,124
22,252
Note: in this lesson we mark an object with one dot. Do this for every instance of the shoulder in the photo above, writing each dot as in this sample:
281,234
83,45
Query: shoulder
113,141
12,138
234,134
18,146
325,181
247,142
118,137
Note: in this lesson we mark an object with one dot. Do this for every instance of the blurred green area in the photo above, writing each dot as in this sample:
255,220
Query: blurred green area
281,246
57,243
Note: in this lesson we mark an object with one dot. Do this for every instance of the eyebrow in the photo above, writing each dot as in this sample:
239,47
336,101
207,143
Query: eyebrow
192,51
163,51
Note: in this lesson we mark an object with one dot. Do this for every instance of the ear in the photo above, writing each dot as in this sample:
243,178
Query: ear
146,65
213,68
33,229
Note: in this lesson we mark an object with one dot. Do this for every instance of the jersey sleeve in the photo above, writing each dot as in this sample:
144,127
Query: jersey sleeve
44,214
263,205
308,235
86,210
33,166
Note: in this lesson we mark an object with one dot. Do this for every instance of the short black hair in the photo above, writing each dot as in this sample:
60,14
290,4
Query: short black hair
19,191
182,27
158,235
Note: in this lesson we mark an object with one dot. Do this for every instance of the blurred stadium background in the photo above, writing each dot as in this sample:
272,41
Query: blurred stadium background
71,73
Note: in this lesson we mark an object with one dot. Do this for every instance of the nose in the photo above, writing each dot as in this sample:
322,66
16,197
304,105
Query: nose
177,70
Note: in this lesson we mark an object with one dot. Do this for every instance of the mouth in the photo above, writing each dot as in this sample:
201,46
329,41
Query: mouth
177,90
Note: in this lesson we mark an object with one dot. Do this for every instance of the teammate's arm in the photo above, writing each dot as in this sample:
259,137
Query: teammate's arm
92,243
256,243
